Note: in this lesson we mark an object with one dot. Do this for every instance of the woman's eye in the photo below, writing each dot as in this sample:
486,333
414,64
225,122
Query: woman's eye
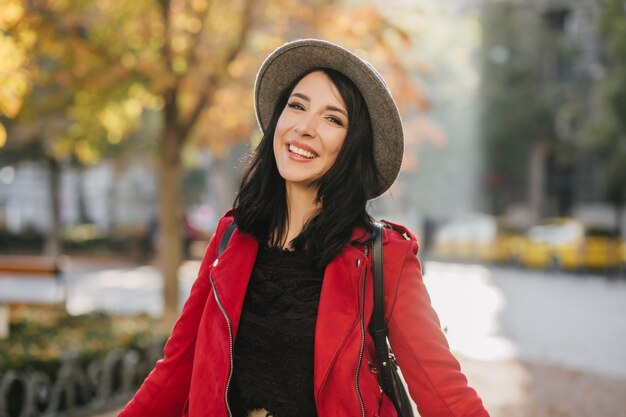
335,120
294,105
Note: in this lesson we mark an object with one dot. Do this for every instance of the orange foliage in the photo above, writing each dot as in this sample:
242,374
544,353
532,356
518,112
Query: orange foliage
103,48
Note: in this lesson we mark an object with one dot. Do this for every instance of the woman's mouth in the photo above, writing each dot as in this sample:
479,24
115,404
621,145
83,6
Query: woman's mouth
302,152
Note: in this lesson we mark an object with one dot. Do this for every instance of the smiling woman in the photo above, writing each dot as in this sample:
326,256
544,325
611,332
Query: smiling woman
277,323
310,132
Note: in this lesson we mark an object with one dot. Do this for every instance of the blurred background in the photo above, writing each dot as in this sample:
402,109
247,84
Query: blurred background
124,127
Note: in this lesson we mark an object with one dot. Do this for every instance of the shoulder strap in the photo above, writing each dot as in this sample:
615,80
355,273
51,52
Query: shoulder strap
379,328
388,378
226,237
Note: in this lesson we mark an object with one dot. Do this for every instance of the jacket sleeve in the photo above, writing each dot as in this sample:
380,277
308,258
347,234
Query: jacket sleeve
164,392
432,373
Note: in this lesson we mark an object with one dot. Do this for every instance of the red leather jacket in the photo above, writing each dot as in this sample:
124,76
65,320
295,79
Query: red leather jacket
193,377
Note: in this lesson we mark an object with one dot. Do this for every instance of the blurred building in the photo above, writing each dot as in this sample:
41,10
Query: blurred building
99,195
541,61
114,196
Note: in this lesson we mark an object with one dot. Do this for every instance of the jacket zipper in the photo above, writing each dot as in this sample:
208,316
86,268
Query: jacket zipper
362,350
230,345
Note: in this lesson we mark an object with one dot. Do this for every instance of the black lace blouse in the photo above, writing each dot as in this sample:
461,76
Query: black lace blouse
273,353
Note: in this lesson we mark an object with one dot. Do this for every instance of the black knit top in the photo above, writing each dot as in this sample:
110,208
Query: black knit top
273,353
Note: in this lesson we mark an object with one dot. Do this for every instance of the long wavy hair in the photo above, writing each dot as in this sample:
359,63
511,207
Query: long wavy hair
260,207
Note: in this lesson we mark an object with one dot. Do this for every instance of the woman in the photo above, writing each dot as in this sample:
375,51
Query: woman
277,324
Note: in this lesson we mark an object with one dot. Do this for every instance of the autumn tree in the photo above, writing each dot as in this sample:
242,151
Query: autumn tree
97,68
14,47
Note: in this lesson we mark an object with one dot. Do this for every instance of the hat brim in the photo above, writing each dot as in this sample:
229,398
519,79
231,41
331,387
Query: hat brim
296,58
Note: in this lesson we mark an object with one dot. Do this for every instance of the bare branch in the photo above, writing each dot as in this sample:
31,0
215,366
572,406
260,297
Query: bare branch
210,87
212,81
166,49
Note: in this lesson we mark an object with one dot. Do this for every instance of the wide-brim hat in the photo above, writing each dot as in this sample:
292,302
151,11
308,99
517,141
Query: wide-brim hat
293,59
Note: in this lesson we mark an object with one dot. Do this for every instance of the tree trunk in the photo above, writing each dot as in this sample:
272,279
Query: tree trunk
170,222
53,240
536,175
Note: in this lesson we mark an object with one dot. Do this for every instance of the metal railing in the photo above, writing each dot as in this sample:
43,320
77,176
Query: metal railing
78,389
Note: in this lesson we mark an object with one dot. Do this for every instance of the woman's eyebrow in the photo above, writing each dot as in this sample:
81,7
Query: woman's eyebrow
337,109
302,96
332,108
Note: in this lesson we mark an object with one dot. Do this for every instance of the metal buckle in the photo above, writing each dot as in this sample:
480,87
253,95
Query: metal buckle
372,367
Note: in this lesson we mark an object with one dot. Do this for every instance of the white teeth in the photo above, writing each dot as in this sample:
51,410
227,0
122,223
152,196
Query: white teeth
301,152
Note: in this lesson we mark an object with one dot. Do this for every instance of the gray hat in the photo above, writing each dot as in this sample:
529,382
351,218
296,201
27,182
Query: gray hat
296,58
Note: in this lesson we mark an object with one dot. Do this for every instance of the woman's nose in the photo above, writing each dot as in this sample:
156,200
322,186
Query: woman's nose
305,127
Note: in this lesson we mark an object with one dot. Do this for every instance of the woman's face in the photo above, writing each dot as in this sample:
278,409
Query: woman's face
310,130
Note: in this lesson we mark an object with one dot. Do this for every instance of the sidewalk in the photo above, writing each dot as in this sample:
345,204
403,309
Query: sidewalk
523,389
112,413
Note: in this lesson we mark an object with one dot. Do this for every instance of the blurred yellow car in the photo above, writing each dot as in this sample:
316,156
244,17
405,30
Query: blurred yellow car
501,243
461,238
566,243
536,250
478,237
602,249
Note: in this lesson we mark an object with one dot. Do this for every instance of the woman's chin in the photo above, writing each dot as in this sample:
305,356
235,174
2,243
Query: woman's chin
297,175
298,181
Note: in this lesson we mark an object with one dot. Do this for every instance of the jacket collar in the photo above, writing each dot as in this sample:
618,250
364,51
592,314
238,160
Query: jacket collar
360,235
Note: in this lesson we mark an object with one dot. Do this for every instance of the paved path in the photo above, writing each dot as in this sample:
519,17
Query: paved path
577,321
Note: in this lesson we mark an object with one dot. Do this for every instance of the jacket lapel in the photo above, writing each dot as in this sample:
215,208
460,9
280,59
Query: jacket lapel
232,274
338,311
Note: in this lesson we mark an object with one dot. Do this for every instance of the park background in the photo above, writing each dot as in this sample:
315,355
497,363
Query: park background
124,127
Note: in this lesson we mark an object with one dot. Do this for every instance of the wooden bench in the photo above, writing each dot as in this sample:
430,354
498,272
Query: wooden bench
19,267
40,266
19,276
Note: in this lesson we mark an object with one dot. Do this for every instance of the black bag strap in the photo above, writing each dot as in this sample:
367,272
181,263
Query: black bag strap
226,237
379,328
388,377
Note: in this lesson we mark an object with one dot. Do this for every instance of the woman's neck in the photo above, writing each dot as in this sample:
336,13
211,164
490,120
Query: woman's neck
301,206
